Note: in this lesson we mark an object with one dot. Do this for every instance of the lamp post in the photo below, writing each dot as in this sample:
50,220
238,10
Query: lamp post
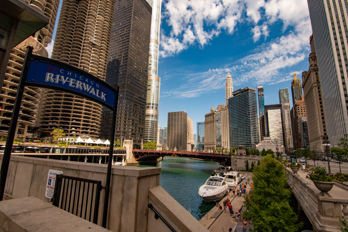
327,149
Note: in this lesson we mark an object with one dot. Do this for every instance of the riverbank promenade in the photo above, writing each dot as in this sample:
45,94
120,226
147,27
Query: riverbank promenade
217,221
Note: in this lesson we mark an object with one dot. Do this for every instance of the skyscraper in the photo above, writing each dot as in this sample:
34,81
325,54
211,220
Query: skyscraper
286,119
128,68
329,24
261,98
210,131
317,132
296,89
32,95
243,121
273,123
229,88
299,111
200,136
82,41
190,135
154,81
177,131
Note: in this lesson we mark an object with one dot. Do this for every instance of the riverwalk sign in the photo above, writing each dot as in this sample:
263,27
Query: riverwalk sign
47,73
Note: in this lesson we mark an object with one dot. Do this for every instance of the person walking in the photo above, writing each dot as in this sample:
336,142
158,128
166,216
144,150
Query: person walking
229,205
245,225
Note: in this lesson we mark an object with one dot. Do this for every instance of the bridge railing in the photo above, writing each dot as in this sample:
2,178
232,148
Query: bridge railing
322,211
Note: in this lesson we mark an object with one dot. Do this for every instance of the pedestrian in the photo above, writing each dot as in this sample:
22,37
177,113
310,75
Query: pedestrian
304,167
234,190
225,203
229,205
245,225
240,192
251,185
220,207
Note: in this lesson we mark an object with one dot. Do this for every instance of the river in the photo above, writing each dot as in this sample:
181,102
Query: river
182,177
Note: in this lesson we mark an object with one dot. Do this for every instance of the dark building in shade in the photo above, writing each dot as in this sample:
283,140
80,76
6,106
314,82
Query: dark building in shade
243,120
177,130
127,68
296,89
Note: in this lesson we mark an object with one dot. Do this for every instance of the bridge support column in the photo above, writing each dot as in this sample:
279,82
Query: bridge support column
128,144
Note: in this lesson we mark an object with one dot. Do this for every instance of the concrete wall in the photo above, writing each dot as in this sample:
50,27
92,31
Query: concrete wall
128,194
132,189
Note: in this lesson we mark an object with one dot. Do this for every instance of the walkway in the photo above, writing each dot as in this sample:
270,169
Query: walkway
224,221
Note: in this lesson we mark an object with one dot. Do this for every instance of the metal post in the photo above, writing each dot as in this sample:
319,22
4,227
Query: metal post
13,124
328,158
111,151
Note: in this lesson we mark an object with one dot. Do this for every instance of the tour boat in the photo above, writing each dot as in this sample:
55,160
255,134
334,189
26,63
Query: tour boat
215,188
232,178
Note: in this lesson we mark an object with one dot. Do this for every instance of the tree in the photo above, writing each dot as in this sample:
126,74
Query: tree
247,165
256,152
306,152
56,134
298,152
247,151
338,154
233,150
314,156
252,166
150,145
270,151
117,143
263,152
268,202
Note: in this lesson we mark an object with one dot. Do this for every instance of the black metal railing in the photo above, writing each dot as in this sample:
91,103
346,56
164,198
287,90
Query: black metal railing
78,196
157,215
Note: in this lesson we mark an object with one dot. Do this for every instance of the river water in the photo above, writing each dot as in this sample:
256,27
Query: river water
182,177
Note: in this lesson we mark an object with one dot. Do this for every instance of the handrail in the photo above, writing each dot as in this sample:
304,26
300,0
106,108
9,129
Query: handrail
157,215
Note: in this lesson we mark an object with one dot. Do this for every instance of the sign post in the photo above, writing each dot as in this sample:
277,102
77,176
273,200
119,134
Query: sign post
47,73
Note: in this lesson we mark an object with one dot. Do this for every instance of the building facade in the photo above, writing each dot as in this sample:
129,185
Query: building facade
330,31
296,89
299,111
154,81
28,115
228,88
82,40
261,99
273,123
303,132
190,135
177,131
284,100
128,68
243,120
200,136
317,131
210,131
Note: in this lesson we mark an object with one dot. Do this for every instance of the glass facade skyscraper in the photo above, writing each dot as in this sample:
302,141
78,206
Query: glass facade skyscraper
243,120
329,24
177,131
154,81
261,98
127,68
200,136
284,96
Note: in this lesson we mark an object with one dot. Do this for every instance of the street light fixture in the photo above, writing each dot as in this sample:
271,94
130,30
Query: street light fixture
327,149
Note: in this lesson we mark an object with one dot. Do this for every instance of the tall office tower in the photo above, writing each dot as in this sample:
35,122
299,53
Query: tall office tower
210,131
229,88
200,136
303,132
286,119
164,137
82,41
225,133
128,68
154,81
31,97
159,135
299,111
177,131
261,98
262,127
243,120
296,89
314,104
273,123
190,135
329,24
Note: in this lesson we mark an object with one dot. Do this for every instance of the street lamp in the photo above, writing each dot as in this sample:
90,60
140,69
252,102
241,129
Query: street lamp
327,149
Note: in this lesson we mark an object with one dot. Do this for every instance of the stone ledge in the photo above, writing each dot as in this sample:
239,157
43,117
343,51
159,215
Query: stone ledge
30,214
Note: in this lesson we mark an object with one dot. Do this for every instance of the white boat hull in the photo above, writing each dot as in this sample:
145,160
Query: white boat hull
210,197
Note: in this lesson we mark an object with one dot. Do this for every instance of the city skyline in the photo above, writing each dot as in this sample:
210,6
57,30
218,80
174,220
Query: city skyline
259,43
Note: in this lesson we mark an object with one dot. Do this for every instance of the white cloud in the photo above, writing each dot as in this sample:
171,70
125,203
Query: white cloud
49,48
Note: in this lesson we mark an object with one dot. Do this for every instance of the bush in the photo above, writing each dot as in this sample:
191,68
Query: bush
319,174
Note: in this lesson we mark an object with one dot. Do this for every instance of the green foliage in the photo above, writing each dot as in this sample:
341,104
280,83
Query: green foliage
233,150
252,166
258,163
293,164
341,177
56,134
319,174
256,152
263,152
306,152
268,203
270,151
150,145
117,143
344,227
246,165
247,151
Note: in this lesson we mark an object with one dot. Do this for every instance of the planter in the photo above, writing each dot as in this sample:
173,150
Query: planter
323,186
295,169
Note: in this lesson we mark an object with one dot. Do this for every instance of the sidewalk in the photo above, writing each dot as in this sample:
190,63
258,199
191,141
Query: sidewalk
224,221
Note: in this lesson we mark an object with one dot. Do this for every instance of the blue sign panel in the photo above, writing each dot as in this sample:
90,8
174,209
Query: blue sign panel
62,76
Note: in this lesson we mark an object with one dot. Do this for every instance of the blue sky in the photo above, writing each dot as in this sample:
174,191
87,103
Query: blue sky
258,42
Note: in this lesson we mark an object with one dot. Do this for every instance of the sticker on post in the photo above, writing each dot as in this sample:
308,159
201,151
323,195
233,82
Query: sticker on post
51,181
